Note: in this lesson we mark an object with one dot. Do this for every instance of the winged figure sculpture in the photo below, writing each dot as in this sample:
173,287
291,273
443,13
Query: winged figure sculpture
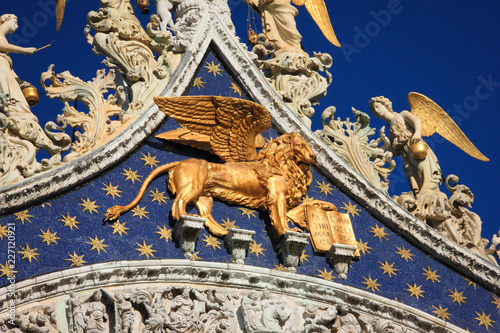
274,179
435,120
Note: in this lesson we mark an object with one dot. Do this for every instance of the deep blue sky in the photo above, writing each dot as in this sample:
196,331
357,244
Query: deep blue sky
445,50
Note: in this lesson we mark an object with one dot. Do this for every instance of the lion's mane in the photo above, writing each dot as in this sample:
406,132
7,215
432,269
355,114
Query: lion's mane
279,156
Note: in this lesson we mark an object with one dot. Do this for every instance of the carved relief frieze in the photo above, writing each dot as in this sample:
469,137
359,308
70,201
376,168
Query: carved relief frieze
207,298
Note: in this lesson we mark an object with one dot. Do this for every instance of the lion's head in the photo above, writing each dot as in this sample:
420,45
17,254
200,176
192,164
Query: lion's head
291,156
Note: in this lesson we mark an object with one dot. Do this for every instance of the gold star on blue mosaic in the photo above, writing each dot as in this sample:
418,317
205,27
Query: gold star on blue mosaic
457,297
3,231
150,160
324,187
363,247
484,320
404,253
470,283
198,83
388,269
431,275
111,190
23,216
49,237
306,198
89,206
195,256
467,330
97,244
248,212
131,175
212,241
280,268
441,313
304,256
235,88
76,260
227,224
141,212
164,233
379,232
7,270
46,204
69,221
324,274
415,290
28,253
351,209
257,249
213,68
371,284
145,250
496,301
119,228
158,196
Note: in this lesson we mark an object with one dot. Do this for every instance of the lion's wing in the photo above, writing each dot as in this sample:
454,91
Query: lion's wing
232,125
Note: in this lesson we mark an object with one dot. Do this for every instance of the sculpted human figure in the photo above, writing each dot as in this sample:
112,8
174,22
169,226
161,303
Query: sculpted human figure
251,312
346,322
424,175
96,313
278,23
163,8
10,84
126,313
79,320
182,313
19,122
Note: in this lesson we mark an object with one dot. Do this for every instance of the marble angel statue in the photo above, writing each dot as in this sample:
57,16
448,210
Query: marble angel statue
421,165
278,22
21,136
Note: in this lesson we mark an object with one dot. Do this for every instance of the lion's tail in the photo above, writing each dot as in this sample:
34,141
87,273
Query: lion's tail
114,212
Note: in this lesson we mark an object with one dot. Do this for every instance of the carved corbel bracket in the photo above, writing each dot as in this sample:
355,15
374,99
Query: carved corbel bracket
290,249
237,242
186,232
339,257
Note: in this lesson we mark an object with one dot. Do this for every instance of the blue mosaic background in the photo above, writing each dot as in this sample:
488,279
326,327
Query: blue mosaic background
389,265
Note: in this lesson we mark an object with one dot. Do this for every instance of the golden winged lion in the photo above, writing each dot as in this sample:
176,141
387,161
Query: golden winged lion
274,179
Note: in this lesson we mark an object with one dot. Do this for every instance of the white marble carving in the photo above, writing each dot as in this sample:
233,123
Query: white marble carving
177,300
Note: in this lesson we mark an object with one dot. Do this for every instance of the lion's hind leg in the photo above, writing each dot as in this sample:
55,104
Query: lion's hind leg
204,206
187,181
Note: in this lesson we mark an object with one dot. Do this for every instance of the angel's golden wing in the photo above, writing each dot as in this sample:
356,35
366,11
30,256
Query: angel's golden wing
319,13
231,127
435,120
60,12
